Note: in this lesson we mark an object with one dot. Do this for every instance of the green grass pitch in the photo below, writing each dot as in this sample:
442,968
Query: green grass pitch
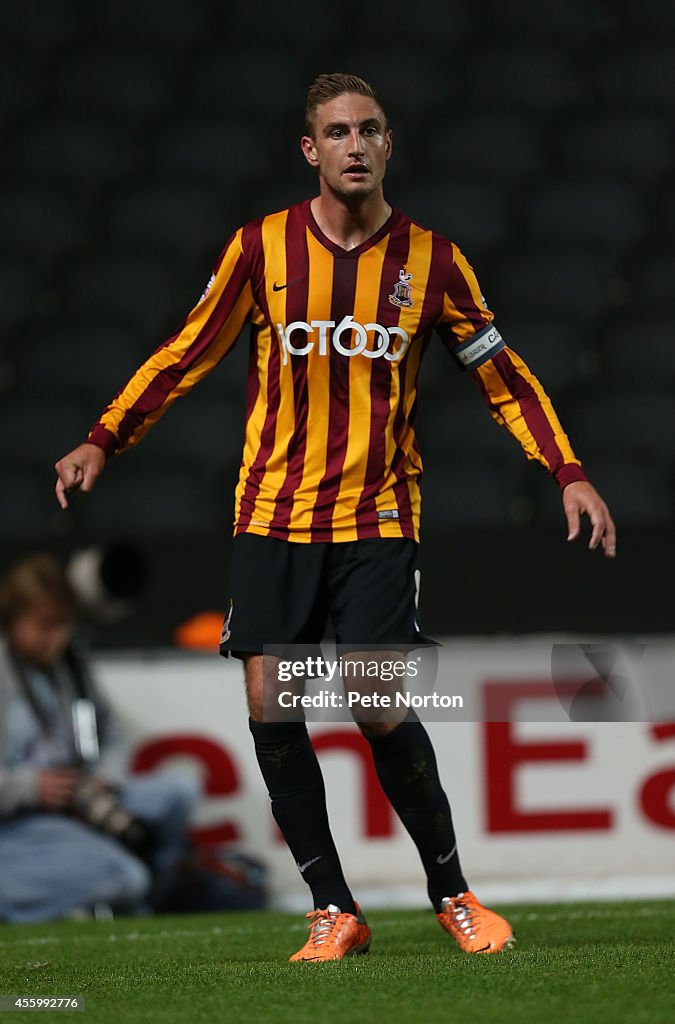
602,962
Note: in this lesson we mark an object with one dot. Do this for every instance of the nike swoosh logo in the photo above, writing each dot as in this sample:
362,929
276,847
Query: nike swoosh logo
444,860
280,287
303,867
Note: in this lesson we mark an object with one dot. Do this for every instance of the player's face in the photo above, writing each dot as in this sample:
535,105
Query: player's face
351,145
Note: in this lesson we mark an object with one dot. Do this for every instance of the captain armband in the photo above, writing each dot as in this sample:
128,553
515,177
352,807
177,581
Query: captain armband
483,346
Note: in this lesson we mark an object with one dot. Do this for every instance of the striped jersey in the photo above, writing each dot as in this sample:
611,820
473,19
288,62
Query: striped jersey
336,341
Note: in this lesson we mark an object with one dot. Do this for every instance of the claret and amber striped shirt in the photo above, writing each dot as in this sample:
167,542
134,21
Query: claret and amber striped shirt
337,338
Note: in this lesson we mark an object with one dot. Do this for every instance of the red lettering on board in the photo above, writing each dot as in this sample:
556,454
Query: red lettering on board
221,777
657,796
378,814
504,754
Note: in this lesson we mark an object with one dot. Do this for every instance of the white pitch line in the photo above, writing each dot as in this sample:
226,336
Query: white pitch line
185,933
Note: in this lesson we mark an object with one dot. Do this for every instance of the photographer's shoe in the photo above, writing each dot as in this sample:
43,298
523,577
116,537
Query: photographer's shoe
334,935
474,928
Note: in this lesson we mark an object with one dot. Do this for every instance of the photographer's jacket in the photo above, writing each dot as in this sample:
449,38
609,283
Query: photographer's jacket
36,728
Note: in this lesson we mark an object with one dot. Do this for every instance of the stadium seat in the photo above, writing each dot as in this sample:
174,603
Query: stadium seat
637,145
199,430
20,84
505,147
556,280
458,494
439,373
436,80
651,279
637,491
226,384
556,350
641,349
40,220
654,20
277,194
107,81
162,23
39,25
145,289
215,151
637,77
635,421
41,430
475,216
173,217
8,373
258,83
600,211
666,211
459,423
21,287
242,23
576,21
80,151
443,25
32,511
523,76
130,499
100,356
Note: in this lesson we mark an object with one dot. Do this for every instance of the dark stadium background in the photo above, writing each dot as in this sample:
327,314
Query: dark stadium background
539,137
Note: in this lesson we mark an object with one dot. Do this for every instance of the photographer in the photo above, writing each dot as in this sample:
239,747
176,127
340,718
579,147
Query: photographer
69,839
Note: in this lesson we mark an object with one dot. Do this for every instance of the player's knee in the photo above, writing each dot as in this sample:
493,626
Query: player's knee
373,730
253,669
254,698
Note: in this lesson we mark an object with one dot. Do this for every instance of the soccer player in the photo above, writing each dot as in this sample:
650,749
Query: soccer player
342,293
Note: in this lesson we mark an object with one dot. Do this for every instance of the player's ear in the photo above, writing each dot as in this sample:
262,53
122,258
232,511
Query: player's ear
308,147
387,143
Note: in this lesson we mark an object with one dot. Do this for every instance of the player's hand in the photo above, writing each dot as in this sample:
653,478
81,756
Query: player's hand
78,471
56,788
582,498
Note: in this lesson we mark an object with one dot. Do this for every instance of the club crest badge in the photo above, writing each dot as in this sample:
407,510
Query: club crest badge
402,294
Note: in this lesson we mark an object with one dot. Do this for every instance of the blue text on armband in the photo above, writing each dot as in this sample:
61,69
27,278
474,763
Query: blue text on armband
477,350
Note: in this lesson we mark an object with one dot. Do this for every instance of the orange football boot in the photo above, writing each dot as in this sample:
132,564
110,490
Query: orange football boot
334,935
474,928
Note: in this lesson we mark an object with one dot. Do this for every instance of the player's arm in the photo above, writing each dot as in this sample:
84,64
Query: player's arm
517,400
206,336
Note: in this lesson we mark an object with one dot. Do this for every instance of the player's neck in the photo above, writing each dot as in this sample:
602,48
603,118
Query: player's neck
349,225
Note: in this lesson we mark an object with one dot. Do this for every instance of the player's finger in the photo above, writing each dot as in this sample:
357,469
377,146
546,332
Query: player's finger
69,472
598,530
609,538
572,514
69,479
61,493
89,478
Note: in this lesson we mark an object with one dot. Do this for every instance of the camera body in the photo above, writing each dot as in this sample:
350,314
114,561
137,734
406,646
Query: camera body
98,804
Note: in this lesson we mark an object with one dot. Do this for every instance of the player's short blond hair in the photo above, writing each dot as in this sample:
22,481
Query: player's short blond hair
328,87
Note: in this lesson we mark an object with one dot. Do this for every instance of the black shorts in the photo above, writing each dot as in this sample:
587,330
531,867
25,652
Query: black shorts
283,593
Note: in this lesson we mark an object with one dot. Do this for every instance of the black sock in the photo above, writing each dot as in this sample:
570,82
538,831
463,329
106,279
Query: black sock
406,767
291,771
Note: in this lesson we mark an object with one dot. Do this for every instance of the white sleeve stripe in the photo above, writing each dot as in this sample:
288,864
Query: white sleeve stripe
481,347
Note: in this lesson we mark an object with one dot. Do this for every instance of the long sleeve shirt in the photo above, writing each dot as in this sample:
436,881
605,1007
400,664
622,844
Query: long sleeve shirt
337,340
